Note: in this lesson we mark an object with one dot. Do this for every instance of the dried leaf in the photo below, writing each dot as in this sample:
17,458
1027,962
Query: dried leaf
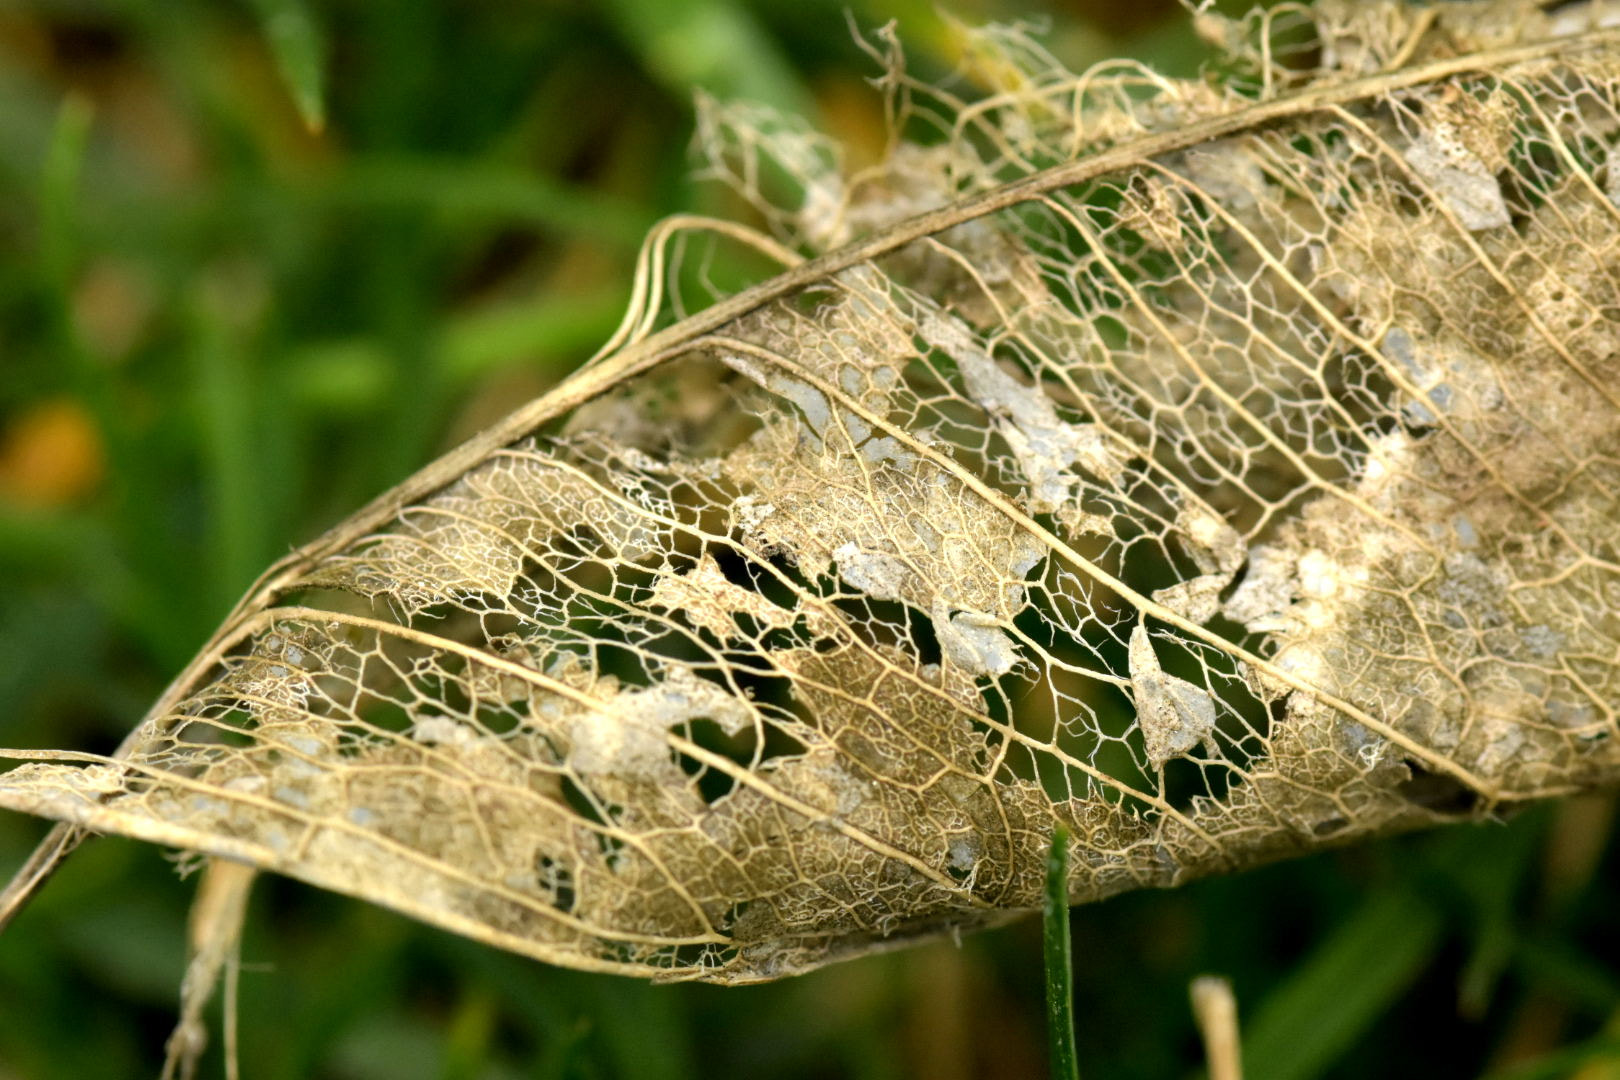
1213,473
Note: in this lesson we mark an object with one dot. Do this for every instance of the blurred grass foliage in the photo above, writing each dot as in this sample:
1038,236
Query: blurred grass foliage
259,260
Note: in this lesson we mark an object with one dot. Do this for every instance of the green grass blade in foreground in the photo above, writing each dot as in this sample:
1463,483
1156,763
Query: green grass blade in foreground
1341,988
1059,961
228,414
299,49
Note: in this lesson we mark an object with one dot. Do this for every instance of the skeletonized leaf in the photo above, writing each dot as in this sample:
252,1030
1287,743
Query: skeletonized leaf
1212,471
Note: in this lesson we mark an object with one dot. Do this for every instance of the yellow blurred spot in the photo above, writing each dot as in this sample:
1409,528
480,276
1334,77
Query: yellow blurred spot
50,455
852,113
112,306
983,60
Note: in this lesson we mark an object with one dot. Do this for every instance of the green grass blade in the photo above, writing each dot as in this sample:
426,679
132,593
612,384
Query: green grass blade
1059,961
225,397
714,44
298,47
1303,1027
471,190
59,189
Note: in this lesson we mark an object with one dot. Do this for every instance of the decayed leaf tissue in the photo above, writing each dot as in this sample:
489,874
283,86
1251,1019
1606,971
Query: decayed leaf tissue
1220,469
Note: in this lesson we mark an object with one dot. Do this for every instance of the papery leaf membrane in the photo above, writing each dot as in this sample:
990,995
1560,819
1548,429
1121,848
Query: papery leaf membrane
1216,473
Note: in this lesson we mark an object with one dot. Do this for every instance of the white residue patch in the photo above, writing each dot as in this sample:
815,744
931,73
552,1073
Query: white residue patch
1267,590
1214,545
750,510
1226,171
1459,177
886,448
1427,371
962,854
975,643
1197,598
1318,576
442,731
249,785
1467,537
1385,470
811,402
627,736
1174,714
1045,446
1543,641
877,575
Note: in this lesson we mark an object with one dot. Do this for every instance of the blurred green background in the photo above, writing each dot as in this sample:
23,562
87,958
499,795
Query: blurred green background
258,261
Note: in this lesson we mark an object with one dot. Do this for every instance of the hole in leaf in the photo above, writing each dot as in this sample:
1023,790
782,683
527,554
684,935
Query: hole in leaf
1436,792
556,880
582,802
714,784
746,573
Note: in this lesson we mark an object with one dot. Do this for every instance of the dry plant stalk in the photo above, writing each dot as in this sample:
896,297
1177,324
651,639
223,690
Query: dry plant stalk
1215,1010
1219,469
